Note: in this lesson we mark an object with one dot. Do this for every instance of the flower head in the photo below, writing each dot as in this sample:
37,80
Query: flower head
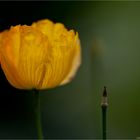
43,55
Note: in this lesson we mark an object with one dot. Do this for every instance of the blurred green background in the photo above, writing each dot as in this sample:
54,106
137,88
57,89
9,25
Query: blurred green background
110,40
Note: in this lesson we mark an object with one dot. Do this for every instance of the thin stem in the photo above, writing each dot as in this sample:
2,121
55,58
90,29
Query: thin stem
104,105
104,110
38,114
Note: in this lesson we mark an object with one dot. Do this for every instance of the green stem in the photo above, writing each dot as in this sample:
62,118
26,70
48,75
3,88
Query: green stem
104,105
38,114
104,110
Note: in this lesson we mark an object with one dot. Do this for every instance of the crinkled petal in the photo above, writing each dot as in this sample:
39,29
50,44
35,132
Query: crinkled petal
9,57
76,62
43,55
34,51
64,54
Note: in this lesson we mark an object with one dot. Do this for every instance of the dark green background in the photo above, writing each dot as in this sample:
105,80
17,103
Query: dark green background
110,40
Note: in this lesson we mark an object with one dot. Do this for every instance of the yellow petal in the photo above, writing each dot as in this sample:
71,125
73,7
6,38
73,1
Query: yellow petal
23,50
76,62
43,55
9,57
34,51
45,26
64,54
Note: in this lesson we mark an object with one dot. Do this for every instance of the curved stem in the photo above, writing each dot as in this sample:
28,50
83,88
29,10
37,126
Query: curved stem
38,114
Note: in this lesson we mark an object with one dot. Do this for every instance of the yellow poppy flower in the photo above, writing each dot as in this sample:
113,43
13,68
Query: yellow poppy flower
43,55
